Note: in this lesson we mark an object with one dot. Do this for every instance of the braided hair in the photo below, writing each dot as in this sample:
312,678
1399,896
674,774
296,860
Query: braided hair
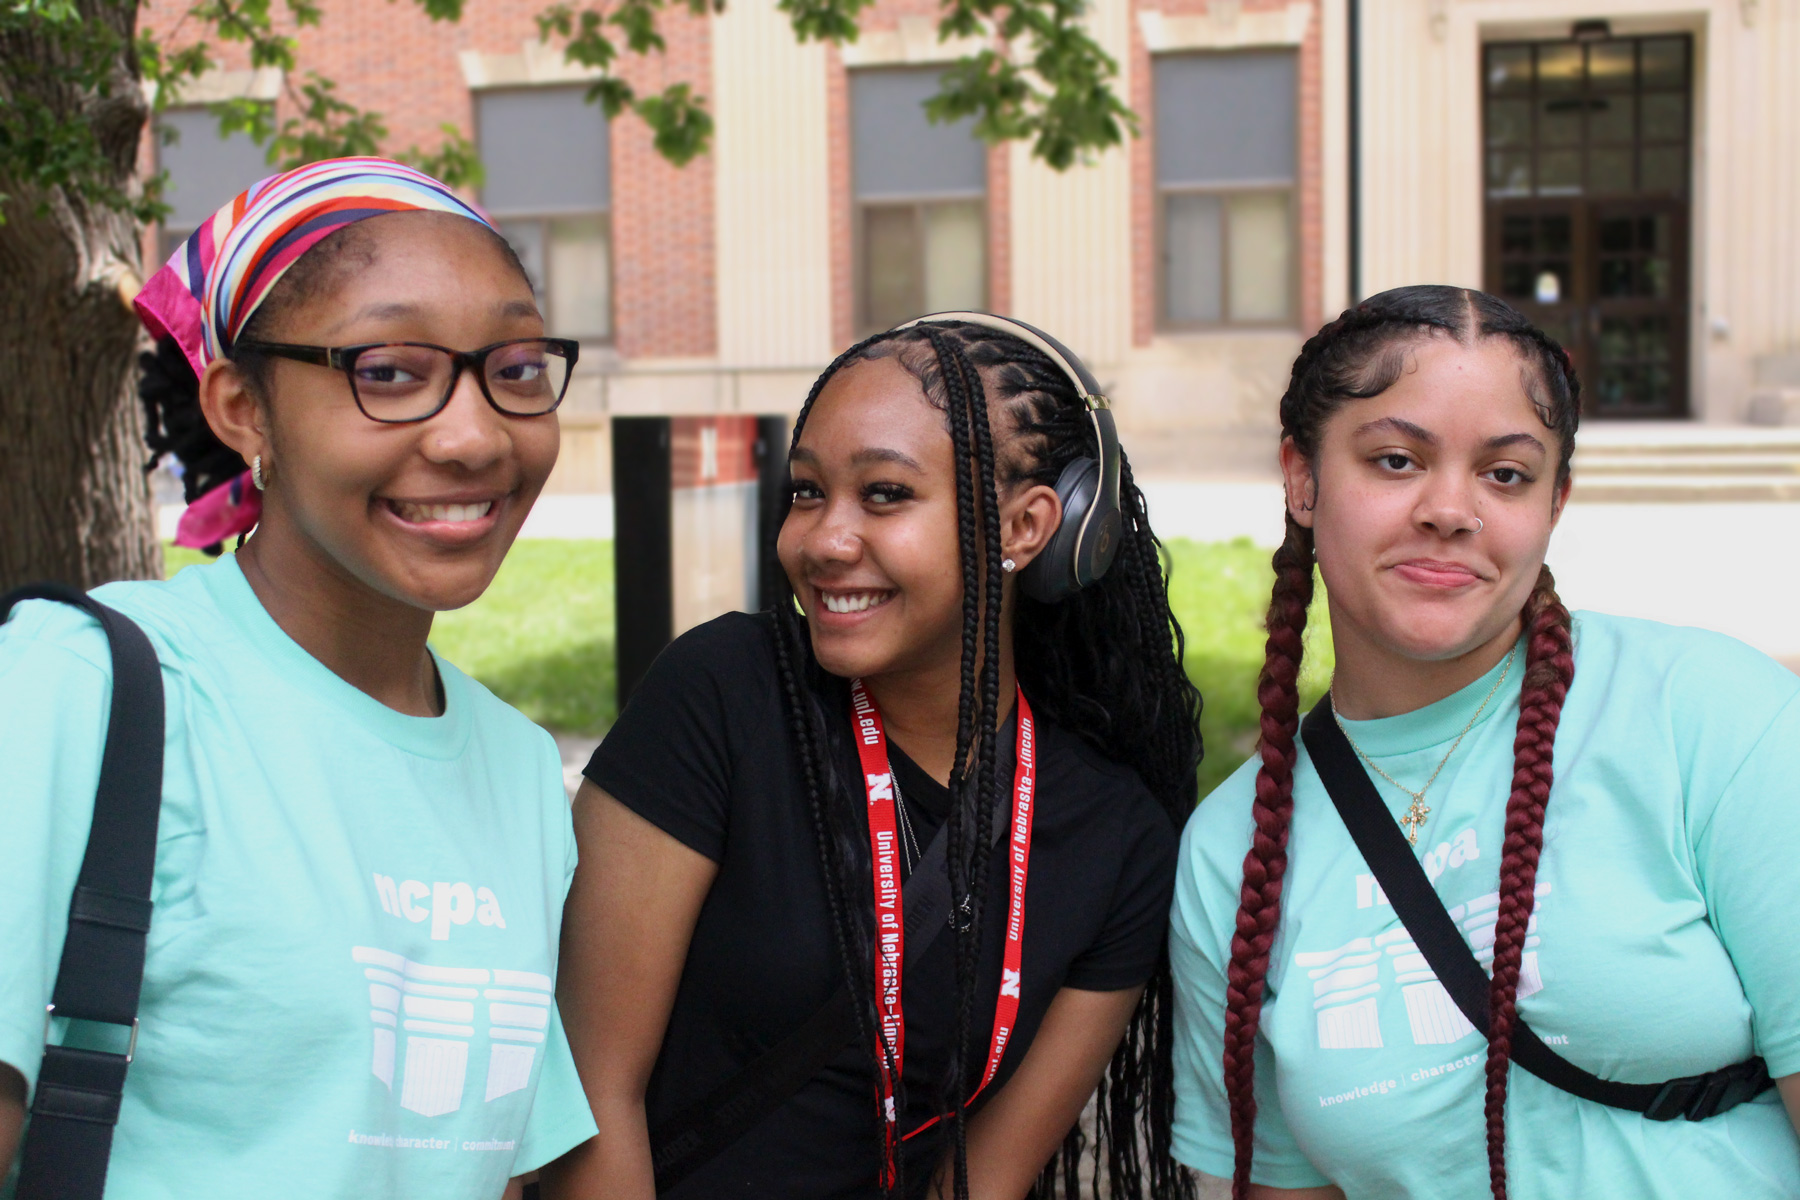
1104,663
1357,356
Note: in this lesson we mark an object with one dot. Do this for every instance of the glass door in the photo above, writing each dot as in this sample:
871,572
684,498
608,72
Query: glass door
1588,145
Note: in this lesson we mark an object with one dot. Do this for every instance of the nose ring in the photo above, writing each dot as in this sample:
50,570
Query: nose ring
1478,525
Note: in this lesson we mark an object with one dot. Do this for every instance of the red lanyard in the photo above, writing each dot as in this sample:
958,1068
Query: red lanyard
890,924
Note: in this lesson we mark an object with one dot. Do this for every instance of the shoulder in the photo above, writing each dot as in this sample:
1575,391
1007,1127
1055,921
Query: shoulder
167,612
1678,653
1696,678
733,647
493,717
1210,861
1106,794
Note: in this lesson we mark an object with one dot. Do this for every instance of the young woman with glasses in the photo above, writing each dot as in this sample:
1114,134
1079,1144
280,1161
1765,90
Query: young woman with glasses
1601,812
362,855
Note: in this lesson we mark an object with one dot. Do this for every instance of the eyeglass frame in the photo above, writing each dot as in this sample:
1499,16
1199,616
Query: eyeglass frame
343,358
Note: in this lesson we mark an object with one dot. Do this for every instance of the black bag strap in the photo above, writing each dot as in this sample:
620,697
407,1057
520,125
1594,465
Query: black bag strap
700,1131
1400,876
76,1102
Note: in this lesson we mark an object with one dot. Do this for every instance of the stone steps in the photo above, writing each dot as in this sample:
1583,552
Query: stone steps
1671,462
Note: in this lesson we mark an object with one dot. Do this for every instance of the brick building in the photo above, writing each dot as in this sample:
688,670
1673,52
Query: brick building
1632,178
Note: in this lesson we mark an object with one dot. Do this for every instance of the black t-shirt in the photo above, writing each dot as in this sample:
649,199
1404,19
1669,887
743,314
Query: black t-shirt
703,751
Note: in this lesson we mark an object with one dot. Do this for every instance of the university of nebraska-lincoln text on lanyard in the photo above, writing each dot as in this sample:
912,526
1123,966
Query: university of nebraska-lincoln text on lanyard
890,926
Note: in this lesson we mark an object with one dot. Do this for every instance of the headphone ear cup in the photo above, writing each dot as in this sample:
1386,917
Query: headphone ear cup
1056,573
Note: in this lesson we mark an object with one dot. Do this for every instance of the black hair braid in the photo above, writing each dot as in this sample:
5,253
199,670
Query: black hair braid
1104,664
174,424
841,845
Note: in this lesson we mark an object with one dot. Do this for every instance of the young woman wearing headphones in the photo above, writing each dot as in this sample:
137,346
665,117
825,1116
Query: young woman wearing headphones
973,685
1574,834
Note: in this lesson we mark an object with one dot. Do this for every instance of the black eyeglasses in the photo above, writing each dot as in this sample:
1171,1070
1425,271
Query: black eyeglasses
400,382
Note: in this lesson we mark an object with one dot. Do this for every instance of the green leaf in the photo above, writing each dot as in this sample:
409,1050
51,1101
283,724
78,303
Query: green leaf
454,163
682,126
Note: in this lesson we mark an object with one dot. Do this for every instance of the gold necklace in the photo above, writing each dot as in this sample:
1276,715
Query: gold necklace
1416,812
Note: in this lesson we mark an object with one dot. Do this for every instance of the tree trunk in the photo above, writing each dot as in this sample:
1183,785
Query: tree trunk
74,499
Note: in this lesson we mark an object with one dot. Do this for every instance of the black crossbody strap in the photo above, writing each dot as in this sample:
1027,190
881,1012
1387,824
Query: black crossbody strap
691,1137
76,1101
1406,886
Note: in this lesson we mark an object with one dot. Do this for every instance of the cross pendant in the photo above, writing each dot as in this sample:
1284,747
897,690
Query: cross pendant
1414,818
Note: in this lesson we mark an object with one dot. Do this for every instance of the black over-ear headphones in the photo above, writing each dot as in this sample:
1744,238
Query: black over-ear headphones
1083,546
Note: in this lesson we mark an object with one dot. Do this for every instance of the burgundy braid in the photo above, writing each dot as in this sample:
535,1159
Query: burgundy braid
1549,669
1259,905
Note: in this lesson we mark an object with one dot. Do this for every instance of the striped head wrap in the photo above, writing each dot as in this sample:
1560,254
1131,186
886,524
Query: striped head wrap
221,275
217,279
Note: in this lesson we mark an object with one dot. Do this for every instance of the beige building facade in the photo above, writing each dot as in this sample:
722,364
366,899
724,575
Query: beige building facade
1627,171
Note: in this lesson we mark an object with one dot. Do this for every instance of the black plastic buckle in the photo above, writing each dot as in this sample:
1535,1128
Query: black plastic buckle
1698,1097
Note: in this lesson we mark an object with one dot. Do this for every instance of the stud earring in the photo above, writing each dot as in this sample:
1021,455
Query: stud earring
256,475
1008,565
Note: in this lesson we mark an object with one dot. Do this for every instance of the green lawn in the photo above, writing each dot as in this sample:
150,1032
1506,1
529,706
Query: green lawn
542,637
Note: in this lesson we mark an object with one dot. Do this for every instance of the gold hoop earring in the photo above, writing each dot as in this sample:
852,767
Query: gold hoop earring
256,474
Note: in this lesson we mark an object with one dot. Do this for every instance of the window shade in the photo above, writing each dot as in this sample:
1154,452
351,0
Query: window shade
1225,118
204,169
898,153
544,151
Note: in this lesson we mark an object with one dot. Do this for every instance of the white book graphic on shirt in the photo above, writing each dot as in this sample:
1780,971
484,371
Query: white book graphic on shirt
518,1016
1433,1016
1345,987
435,1008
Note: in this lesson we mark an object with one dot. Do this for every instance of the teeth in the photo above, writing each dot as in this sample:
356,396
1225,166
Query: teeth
454,513
851,602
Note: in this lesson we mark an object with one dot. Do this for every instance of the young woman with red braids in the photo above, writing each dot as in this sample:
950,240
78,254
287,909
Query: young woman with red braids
1606,807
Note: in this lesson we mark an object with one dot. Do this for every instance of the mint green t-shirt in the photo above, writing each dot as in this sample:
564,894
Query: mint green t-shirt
1662,943
349,983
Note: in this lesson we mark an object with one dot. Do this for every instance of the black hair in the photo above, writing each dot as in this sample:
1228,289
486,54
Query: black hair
1104,664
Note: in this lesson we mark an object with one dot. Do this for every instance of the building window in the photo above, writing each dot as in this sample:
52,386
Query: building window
205,170
921,202
1225,162
548,186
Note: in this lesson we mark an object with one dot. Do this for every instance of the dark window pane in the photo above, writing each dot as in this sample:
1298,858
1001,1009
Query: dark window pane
1509,123
1508,70
1559,68
1616,235
1516,235
1610,66
1193,278
1559,172
1612,119
1654,278
1664,169
1609,170
1226,118
1515,279
1559,120
893,262
896,151
1509,173
1615,277
1665,117
1659,381
1554,233
543,150
1653,339
1665,62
